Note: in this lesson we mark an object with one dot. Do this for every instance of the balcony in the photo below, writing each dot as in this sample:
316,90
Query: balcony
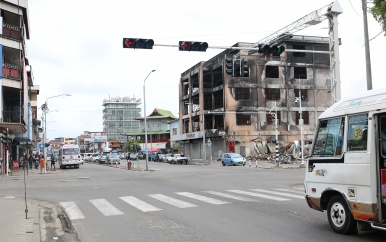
11,32
12,117
11,71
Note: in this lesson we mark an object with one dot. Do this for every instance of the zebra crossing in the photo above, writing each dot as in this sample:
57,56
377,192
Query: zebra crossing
178,200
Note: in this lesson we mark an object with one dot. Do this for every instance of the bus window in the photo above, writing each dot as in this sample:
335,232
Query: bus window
329,140
357,133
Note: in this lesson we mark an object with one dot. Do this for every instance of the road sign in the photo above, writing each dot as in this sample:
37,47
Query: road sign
41,146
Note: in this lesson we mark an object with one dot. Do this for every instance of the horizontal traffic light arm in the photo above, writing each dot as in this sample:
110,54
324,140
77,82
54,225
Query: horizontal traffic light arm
250,48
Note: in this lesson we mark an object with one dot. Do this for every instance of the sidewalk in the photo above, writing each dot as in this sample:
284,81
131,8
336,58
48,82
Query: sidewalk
264,164
14,226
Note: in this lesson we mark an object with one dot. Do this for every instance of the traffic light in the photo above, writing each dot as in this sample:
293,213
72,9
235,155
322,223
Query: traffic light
229,65
138,43
244,67
275,50
192,46
6,147
47,145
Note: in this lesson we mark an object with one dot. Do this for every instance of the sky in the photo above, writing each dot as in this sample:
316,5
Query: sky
75,48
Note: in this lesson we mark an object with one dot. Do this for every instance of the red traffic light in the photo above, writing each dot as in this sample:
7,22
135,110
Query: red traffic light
6,147
192,46
138,43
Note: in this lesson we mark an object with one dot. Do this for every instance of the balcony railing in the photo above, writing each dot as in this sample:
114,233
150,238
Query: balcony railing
12,117
11,71
12,32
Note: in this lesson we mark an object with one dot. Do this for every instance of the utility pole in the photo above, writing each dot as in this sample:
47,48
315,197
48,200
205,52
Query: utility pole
367,46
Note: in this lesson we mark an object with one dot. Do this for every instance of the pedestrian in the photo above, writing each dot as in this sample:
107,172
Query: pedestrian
30,160
53,160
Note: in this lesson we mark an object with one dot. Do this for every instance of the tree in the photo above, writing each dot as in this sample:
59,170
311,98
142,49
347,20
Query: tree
133,145
379,13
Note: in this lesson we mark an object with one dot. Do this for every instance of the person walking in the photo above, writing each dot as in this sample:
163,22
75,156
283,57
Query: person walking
53,160
31,161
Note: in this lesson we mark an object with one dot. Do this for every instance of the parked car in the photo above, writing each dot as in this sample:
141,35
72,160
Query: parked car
141,156
154,156
95,157
179,159
102,159
169,158
133,156
233,159
113,158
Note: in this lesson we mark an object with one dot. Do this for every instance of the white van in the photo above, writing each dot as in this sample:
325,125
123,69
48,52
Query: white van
69,155
346,171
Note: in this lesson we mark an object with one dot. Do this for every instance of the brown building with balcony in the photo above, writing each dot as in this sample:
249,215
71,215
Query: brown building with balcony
18,95
234,113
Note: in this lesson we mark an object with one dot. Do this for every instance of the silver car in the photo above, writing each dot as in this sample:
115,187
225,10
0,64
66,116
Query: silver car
113,158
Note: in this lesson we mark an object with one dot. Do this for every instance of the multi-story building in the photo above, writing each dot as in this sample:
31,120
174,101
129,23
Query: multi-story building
119,117
18,95
92,142
232,113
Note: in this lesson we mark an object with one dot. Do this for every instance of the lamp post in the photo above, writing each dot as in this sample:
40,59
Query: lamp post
144,112
299,99
45,109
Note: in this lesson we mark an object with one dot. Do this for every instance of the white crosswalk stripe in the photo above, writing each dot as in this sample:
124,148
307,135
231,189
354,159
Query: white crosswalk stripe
72,210
139,204
240,198
202,198
290,190
279,193
259,195
105,207
172,201
108,209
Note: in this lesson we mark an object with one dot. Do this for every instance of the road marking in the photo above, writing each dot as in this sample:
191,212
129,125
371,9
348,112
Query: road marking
72,210
202,198
293,191
105,207
172,201
141,205
259,195
245,199
279,193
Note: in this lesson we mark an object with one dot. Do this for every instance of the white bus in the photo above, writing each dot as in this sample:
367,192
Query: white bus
69,155
346,171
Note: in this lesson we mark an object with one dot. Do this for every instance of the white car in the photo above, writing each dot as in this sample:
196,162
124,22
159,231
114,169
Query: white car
95,157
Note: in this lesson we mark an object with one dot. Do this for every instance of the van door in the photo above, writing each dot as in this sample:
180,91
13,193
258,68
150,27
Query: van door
381,166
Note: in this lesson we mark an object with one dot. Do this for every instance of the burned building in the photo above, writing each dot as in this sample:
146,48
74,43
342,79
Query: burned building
229,113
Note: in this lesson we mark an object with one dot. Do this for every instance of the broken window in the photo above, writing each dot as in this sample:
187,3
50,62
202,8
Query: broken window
299,54
305,116
242,119
271,71
242,93
300,72
271,118
303,94
272,94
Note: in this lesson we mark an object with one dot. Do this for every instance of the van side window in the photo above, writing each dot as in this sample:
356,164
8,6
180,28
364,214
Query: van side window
329,140
382,135
357,133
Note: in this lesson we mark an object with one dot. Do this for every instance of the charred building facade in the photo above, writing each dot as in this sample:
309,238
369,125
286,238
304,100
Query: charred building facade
229,114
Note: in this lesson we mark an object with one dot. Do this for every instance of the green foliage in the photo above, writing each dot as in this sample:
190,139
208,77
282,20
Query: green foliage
133,145
379,12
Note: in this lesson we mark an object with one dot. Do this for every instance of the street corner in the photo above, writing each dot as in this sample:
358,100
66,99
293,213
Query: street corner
55,224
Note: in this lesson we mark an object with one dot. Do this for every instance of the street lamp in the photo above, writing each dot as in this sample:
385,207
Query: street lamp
45,109
144,111
299,99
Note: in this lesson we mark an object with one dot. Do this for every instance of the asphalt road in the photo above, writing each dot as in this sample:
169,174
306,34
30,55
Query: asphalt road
182,203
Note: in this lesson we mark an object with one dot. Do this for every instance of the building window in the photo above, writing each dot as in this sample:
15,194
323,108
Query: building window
272,94
271,118
300,72
271,71
305,116
299,54
174,131
303,94
242,93
242,119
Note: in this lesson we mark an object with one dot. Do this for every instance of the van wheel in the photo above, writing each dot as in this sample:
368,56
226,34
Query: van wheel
339,216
